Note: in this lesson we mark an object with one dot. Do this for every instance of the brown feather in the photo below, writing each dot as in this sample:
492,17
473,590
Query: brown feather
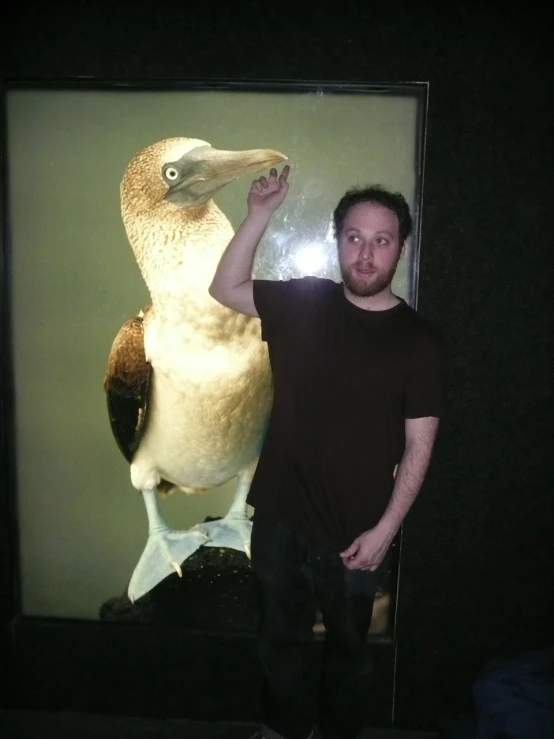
127,386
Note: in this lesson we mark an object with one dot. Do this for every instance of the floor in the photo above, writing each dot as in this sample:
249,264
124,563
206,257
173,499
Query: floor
41,724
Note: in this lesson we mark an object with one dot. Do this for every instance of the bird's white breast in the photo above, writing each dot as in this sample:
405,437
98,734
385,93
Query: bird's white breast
210,400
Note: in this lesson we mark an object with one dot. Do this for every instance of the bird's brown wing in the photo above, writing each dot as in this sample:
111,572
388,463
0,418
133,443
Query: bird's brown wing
127,386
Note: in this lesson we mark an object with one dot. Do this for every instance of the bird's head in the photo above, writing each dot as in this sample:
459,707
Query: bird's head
186,172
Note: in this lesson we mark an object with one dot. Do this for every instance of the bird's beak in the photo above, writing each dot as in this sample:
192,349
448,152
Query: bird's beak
206,170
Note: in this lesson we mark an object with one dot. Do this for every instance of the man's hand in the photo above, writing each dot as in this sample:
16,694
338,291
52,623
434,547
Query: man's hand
267,194
232,284
368,550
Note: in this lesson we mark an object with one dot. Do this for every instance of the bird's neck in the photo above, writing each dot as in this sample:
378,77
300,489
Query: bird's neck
177,251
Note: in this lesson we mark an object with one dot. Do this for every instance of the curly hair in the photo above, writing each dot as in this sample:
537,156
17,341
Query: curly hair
394,201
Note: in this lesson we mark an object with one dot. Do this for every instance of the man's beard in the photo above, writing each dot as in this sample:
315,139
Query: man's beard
367,287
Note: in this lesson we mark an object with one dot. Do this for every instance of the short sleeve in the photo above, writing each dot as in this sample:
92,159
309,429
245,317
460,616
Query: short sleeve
426,378
282,302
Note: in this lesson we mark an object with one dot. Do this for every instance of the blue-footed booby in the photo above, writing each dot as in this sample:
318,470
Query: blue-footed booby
188,382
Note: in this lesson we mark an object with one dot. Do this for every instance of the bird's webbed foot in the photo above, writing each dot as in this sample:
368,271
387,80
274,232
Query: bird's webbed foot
162,556
230,532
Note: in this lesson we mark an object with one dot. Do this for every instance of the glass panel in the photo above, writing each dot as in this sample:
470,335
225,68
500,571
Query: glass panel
75,281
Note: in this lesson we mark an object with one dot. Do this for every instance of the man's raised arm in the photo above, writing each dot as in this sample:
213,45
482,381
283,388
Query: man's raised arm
232,282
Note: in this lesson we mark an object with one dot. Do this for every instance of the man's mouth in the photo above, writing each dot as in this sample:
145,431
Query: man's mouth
365,270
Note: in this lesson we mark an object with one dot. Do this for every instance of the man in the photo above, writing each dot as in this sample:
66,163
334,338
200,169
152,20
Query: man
358,380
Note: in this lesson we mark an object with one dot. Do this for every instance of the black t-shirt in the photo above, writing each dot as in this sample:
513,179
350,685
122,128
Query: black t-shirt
345,380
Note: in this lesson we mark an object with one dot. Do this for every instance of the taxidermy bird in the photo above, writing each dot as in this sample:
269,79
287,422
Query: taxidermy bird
188,383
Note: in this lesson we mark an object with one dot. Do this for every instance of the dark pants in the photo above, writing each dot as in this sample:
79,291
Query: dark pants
293,578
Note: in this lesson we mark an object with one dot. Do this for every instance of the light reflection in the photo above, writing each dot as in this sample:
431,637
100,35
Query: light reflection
282,257
310,259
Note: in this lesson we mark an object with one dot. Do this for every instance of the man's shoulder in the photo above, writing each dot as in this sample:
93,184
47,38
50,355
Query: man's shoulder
423,330
305,286
311,284
283,302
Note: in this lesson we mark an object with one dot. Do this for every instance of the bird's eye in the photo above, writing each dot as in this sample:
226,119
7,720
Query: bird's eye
171,173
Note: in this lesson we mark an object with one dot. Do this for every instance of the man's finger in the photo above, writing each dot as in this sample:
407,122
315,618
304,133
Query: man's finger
351,550
368,567
352,564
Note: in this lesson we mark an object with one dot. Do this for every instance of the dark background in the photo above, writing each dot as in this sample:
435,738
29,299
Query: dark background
476,572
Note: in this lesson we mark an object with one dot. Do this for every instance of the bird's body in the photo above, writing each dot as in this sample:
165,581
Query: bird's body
189,383
222,395
209,364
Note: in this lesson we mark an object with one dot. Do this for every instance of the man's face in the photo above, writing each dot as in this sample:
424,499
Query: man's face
369,249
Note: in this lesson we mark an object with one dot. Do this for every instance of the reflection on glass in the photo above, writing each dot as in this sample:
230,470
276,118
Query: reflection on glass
82,525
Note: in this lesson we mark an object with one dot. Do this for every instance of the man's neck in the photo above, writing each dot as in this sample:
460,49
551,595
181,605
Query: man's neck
385,300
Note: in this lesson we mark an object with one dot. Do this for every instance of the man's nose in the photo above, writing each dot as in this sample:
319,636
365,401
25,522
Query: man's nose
366,250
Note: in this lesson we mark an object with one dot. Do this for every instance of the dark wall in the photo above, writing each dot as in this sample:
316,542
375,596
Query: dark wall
477,555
